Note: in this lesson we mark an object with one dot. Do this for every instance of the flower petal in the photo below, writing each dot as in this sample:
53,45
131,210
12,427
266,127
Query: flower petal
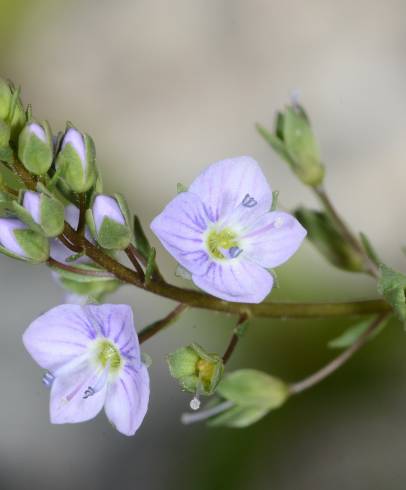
58,336
236,280
180,228
116,323
224,185
273,239
67,404
127,400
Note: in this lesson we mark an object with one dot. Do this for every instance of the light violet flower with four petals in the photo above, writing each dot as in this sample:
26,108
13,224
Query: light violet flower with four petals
93,361
222,231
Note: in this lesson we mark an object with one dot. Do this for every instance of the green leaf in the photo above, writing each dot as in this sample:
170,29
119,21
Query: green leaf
249,387
141,241
352,334
391,285
276,143
370,249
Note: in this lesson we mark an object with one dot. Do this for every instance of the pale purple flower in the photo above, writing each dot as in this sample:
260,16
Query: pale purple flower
92,357
75,138
38,130
8,239
32,203
222,231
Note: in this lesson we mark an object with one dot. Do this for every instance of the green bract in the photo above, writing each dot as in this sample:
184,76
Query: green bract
196,370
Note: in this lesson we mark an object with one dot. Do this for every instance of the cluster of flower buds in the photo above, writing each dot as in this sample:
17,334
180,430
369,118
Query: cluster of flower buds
44,180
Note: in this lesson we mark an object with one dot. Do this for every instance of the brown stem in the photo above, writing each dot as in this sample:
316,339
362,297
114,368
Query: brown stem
159,325
82,214
70,245
131,252
336,363
24,175
77,270
234,339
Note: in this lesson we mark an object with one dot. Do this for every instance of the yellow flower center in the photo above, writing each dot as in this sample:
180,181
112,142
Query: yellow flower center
217,240
108,353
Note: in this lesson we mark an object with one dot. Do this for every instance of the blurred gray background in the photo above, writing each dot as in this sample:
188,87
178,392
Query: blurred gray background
165,88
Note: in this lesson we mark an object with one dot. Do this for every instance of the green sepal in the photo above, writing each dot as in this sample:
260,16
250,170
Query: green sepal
238,417
275,198
328,240
5,98
195,369
146,359
16,116
36,155
51,213
77,176
151,266
6,154
5,134
140,239
371,252
277,144
181,188
113,235
249,387
34,245
391,285
352,334
95,287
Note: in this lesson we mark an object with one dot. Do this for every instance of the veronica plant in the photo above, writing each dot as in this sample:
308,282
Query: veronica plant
226,235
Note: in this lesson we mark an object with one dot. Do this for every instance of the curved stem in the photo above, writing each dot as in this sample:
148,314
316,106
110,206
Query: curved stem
131,254
77,270
159,325
336,363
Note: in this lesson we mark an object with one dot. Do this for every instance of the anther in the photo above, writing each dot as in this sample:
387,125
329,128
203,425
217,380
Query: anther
89,392
48,379
249,201
235,252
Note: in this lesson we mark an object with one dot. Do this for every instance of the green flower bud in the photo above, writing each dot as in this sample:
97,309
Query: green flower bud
19,242
5,98
294,141
109,222
249,396
329,241
41,212
35,148
76,160
195,369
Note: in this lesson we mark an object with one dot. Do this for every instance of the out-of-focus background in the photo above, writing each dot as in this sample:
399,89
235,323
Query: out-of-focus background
165,88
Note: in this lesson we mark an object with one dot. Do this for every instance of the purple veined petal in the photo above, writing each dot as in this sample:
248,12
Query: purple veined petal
58,336
127,400
7,237
69,403
32,203
116,323
106,206
237,280
180,228
225,184
273,239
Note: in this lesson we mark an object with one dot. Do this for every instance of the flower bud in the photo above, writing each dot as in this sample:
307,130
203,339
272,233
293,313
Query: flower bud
5,98
108,219
35,148
294,141
249,395
195,369
329,241
76,160
41,212
19,242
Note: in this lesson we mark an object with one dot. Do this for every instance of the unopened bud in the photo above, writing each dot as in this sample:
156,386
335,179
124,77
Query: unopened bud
41,212
109,222
35,148
76,160
18,241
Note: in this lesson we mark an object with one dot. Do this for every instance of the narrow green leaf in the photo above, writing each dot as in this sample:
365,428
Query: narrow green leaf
352,334
141,241
149,271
